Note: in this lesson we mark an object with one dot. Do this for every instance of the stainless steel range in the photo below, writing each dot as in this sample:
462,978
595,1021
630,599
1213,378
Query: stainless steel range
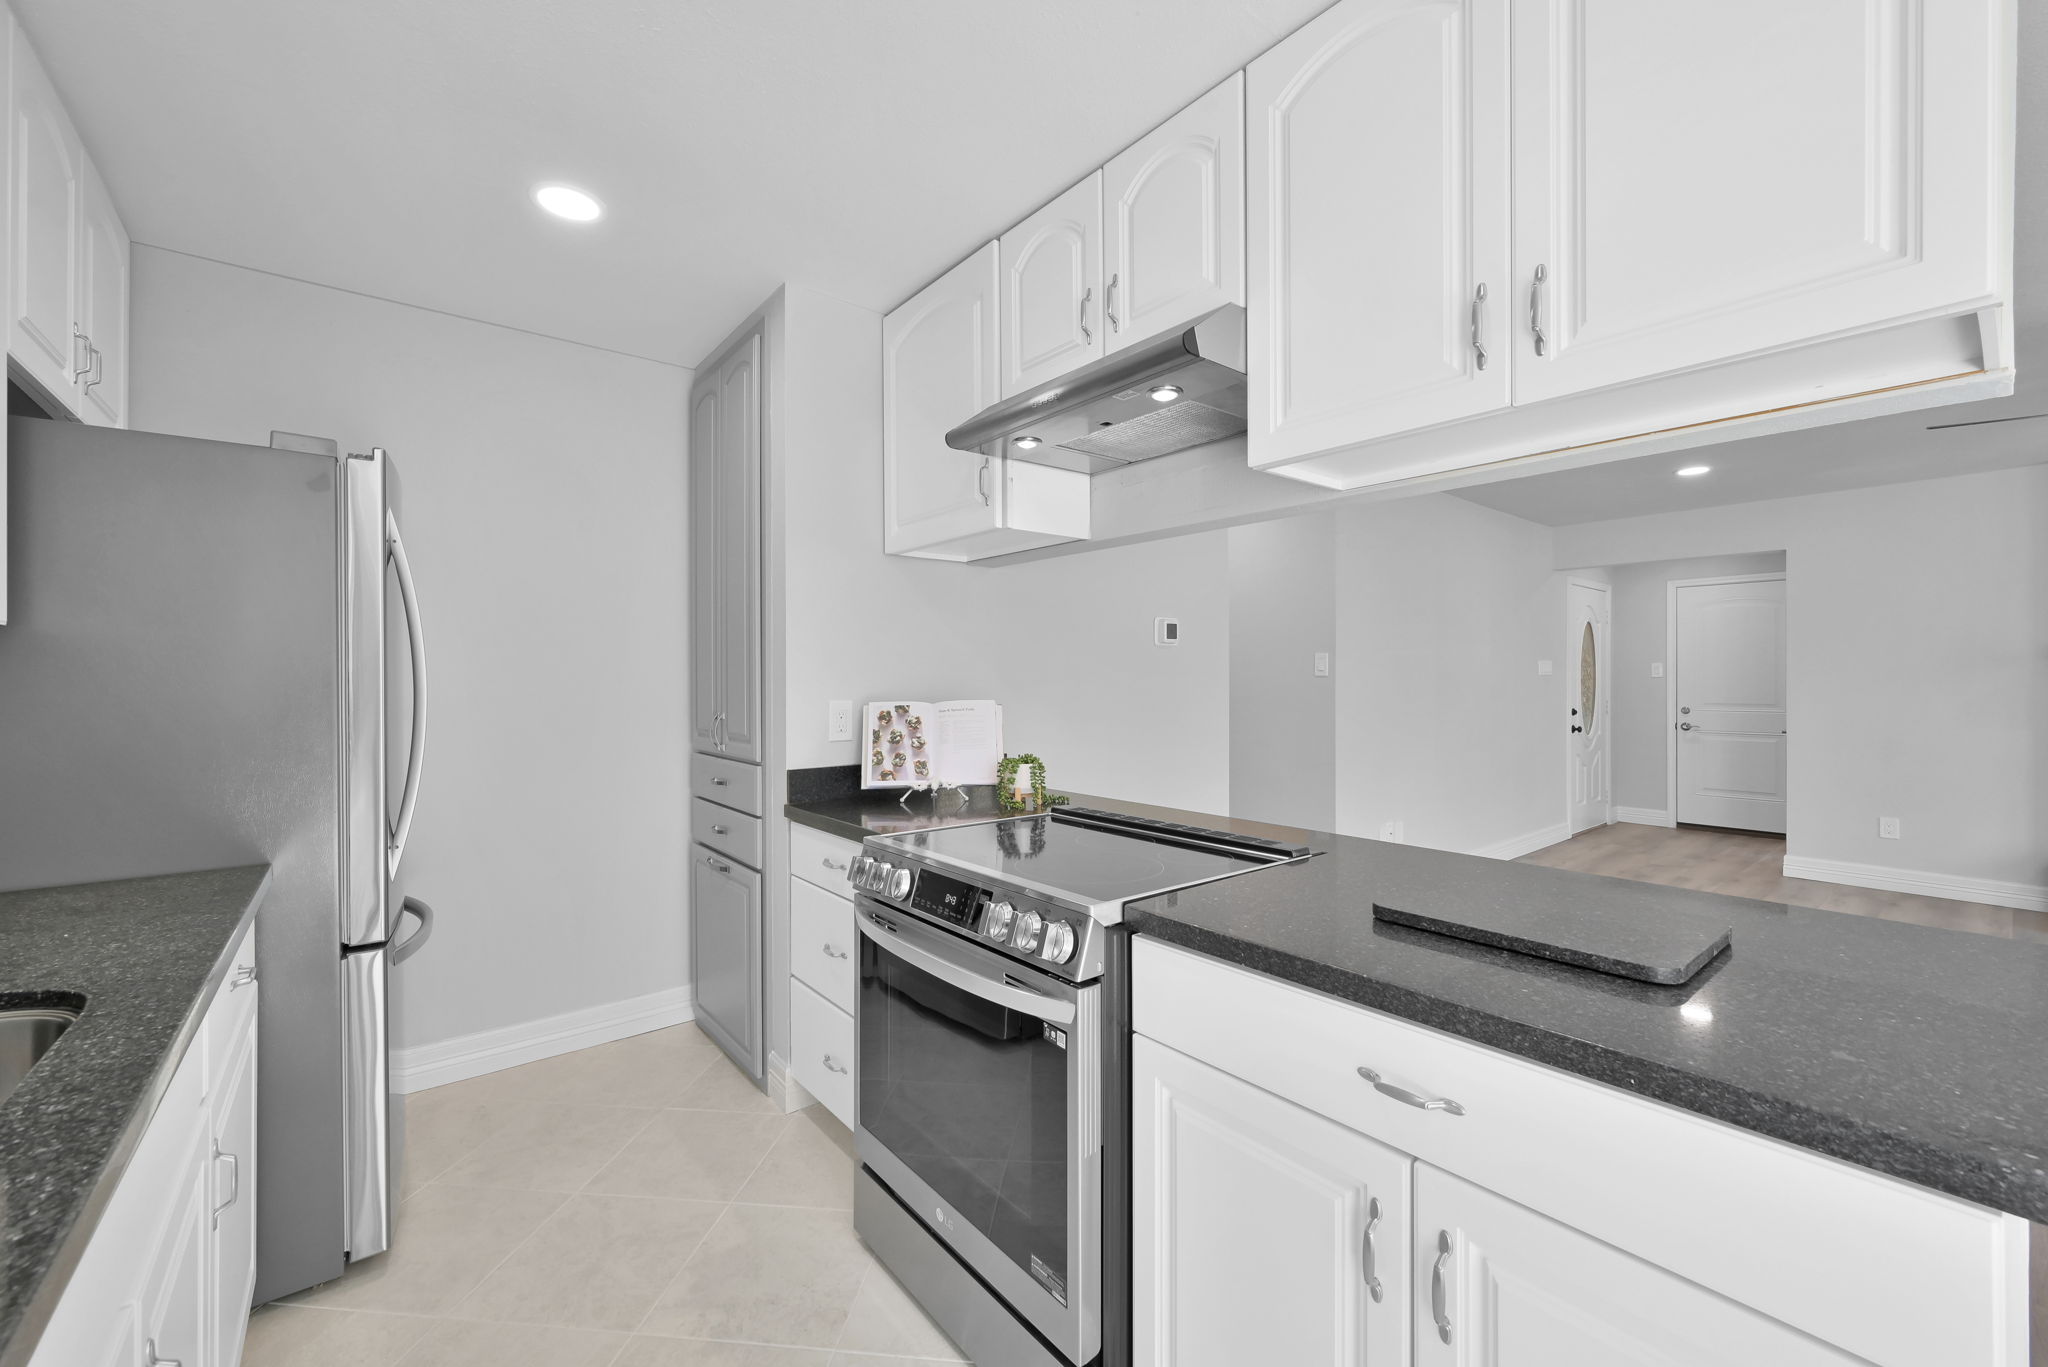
993,1072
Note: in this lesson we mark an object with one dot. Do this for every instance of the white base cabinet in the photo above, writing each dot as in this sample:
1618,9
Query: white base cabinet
823,945
168,1273
1555,1220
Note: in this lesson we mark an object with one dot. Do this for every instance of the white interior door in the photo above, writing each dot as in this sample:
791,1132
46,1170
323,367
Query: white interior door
1589,706
1728,685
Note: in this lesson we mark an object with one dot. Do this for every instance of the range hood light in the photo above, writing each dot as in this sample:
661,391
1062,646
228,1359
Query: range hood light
1166,393
1027,443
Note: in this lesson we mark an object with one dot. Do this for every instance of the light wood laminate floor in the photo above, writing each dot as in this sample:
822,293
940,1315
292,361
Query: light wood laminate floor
1743,864
640,1204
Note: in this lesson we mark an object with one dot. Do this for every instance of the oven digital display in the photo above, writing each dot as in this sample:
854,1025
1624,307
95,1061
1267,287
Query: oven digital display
949,899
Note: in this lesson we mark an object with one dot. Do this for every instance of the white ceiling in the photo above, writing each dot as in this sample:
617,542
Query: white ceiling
390,146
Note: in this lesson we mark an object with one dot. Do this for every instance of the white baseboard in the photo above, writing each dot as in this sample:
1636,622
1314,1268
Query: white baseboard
1644,816
2025,896
1526,843
487,1051
783,1088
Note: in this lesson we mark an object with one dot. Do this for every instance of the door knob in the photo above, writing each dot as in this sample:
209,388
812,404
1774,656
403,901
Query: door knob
1685,711
1685,726
1577,729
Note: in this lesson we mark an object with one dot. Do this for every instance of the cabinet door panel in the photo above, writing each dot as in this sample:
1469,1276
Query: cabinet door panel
739,552
939,364
1520,1290
103,307
1174,219
175,1300
48,193
1378,191
704,566
1253,1220
233,1202
725,955
1052,289
1706,182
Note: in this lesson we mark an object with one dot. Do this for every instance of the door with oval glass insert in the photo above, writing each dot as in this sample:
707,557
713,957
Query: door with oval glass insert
1588,706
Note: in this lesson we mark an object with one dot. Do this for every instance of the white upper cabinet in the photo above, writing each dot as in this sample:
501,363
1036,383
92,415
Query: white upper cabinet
1173,220
939,368
1702,182
1051,297
47,338
68,272
103,255
1379,227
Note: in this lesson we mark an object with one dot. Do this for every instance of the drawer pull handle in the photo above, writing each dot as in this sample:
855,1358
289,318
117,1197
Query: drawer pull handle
833,951
152,1360
1372,1257
718,783
1408,1098
244,975
834,1065
718,830
719,865
1439,1293
234,1192
836,868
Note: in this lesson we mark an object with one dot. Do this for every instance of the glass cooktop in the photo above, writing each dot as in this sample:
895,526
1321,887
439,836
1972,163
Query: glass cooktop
1074,862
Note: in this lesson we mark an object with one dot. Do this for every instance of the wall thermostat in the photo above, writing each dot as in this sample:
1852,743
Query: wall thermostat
1166,631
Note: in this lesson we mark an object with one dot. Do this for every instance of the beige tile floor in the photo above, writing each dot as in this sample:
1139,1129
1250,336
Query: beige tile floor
639,1204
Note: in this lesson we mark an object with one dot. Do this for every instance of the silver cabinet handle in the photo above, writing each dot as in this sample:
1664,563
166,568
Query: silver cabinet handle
97,370
718,783
1372,1257
78,340
711,863
1536,310
836,868
834,1065
833,951
150,1359
1408,1098
1479,326
981,483
718,830
1439,1292
235,1172
1109,305
1086,295
244,976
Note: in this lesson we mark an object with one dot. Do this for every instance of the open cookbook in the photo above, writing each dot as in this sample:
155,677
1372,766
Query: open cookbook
909,743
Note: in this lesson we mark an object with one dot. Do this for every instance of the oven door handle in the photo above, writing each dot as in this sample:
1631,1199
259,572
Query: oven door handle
911,943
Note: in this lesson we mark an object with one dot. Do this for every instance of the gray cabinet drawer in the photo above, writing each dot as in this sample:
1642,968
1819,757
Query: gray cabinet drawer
727,831
726,782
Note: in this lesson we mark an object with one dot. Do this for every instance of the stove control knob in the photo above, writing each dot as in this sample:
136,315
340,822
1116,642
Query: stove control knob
996,924
878,875
857,871
1025,936
1059,942
899,884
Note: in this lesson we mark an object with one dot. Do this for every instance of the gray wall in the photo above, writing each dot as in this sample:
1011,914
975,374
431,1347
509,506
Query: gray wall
1283,605
1637,639
1916,666
545,519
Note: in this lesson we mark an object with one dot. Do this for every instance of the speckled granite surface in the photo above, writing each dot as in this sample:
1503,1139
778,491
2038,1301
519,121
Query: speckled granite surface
1912,1051
138,958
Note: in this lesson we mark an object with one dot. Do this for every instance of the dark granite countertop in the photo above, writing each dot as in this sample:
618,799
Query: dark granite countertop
1908,1050
137,958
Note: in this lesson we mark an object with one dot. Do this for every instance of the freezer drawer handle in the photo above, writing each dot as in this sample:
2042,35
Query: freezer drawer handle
418,939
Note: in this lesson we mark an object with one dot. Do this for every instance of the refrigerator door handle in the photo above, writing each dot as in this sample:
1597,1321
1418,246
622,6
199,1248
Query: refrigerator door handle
409,597
414,942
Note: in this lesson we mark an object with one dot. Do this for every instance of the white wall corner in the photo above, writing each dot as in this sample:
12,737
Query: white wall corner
1991,891
783,1088
488,1051
1526,843
1644,816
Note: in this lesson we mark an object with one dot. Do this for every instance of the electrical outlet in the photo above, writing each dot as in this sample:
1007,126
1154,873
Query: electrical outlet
1543,668
1657,671
1322,664
1888,827
1166,631
839,720
1391,830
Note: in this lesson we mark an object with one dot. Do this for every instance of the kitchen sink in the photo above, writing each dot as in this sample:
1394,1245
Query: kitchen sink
26,1034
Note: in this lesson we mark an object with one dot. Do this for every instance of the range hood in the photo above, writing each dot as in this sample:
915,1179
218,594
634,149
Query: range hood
1180,389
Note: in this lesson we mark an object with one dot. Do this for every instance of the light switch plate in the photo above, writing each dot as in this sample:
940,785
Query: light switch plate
839,719
1888,828
1657,671
1394,831
1322,664
1543,668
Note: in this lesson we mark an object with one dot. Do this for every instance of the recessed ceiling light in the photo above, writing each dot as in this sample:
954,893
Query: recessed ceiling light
1166,393
565,201
1027,443
1692,471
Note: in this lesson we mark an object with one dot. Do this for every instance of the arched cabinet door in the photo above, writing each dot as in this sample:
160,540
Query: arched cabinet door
939,370
1052,289
1173,219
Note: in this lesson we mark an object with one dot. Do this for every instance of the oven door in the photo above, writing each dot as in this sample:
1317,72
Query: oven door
980,1107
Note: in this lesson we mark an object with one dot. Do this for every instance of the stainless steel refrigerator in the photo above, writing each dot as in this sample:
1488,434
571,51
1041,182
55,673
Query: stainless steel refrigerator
213,657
